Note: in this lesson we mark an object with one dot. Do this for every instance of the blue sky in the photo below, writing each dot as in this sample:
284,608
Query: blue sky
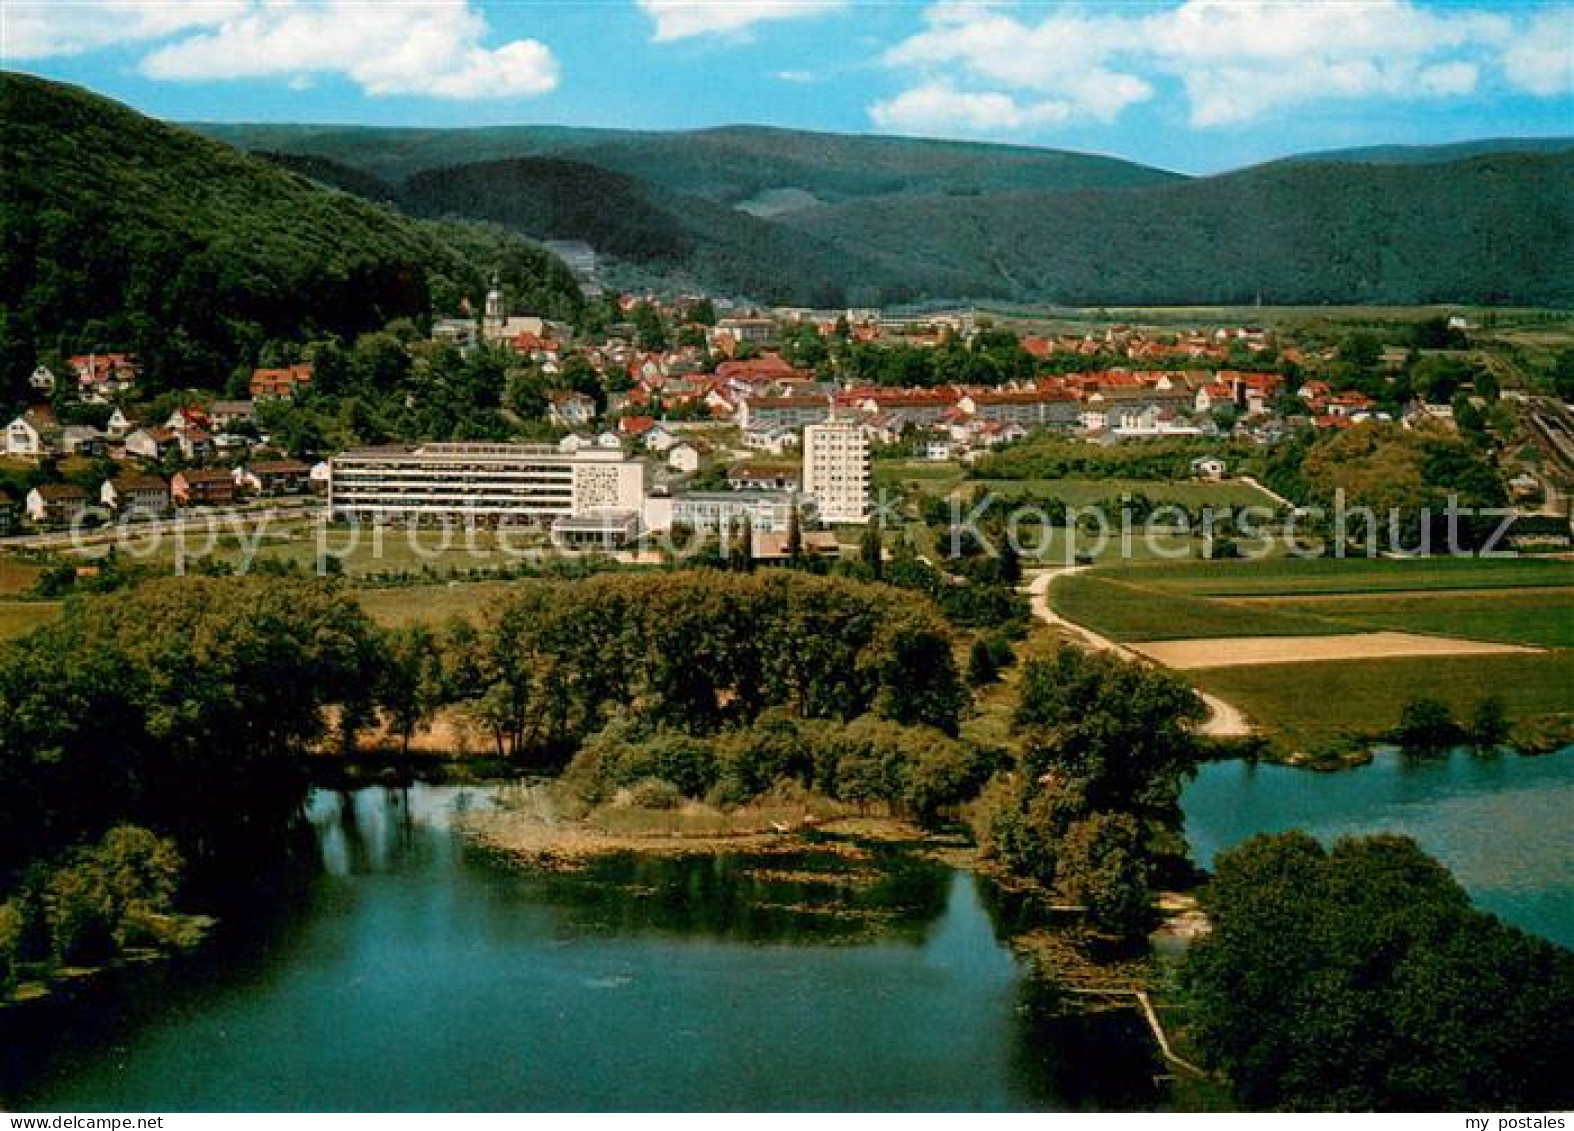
1194,85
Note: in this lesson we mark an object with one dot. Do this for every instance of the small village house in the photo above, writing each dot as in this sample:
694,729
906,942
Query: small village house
56,504
280,384
195,488
136,494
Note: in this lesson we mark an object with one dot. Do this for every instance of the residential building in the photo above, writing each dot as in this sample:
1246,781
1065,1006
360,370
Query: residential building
571,410
119,424
56,504
280,384
760,477
194,488
501,483
684,458
755,413
82,440
42,380
152,443
136,494
103,375
31,434
1031,408
227,414
275,477
836,470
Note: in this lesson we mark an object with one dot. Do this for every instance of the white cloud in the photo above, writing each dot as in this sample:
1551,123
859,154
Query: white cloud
30,29
424,48
686,19
940,107
796,76
1235,61
1541,60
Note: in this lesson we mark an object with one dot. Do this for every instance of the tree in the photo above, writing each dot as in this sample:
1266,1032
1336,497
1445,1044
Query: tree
1360,978
982,669
1489,727
649,328
1103,864
409,684
871,549
1426,726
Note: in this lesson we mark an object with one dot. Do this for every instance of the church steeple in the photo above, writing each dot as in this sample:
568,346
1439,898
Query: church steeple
495,316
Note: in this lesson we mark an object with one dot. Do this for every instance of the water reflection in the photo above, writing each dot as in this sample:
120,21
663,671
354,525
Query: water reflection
411,970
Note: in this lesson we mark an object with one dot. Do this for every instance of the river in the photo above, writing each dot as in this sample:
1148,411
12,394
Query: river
1503,824
411,971
405,969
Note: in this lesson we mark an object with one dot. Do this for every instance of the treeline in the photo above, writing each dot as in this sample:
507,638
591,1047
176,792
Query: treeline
1092,809
180,705
1359,977
195,257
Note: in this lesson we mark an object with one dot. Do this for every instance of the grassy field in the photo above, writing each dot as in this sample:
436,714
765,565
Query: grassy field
1300,705
431,605
1302,576
16,576
1511,601
1083,492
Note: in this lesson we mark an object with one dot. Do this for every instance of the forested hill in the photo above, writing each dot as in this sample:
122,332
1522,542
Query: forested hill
1490,229
123,232
1439,154
805,218
688,239
731,165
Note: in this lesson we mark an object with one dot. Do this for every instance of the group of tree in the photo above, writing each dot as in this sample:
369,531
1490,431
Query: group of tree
1092,809
910,769
92,904
1359,977
1407,479
696,651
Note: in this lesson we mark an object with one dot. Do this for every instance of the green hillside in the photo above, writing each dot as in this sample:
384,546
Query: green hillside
1439,154
120,232
1493,229
731,165
686,238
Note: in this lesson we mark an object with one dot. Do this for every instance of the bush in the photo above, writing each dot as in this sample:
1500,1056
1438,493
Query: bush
654,793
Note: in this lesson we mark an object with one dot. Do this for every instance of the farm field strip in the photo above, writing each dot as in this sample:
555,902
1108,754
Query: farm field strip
1254,651
1293,701
1310,576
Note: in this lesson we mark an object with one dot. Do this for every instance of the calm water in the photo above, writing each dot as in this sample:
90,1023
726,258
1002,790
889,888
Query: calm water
410,971
1503,825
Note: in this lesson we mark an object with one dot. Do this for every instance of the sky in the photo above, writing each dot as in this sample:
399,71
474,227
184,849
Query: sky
1192,85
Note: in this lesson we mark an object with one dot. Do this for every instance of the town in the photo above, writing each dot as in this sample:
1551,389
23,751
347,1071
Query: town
678,418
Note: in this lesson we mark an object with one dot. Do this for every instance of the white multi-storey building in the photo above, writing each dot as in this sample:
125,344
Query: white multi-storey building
486,483
836,470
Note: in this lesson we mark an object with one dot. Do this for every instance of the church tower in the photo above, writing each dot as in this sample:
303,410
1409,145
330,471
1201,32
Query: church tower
492,324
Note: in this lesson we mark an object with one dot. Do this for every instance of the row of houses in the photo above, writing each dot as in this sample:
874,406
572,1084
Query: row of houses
190,433
151,496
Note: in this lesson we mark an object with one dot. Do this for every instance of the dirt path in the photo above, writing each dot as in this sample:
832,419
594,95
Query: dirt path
1224,720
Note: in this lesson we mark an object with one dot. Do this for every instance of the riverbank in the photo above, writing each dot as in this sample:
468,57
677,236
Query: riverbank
40,982
539,824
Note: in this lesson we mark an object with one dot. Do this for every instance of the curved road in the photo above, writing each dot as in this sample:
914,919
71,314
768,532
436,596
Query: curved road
1224,720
